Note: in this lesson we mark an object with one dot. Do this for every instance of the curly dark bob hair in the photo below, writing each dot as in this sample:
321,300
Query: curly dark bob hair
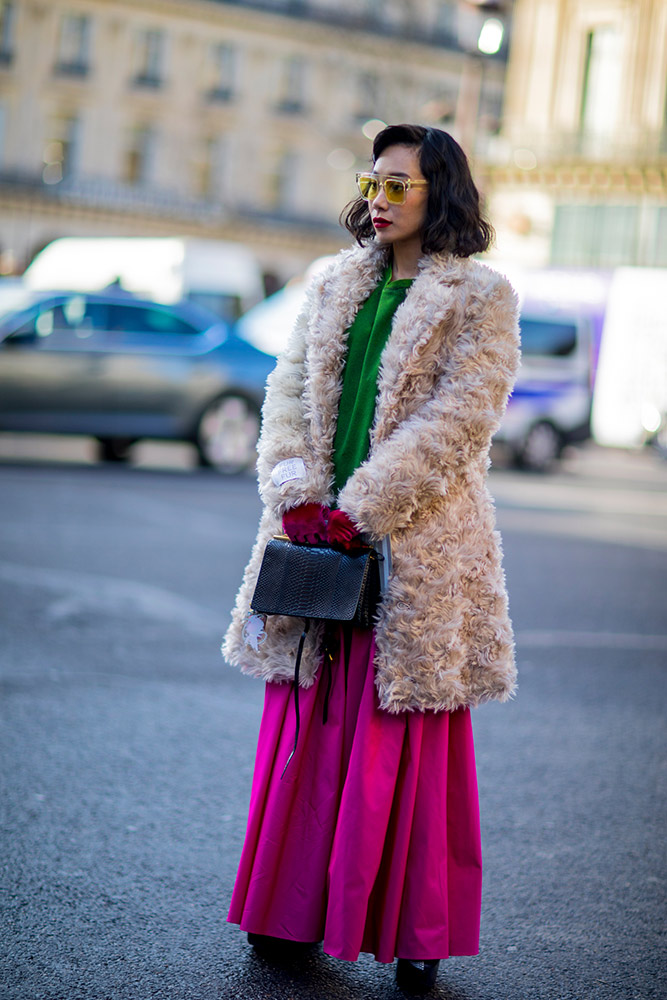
454,221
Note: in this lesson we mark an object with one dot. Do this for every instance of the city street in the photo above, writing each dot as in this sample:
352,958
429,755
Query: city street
127,744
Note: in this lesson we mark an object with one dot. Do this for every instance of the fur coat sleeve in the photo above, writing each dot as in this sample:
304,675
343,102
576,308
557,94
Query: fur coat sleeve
284,411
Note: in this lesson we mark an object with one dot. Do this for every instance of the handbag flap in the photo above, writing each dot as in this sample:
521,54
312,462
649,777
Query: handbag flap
310,582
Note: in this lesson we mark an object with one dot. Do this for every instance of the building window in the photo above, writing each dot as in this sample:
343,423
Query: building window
440,106
601,93
61,150
373,10
660,249
447,20
287,180
139,156
203,165
149,58
292,86
212,168
368,96
73,45
284,182
595,235
657,249
7,12
223,58
490,110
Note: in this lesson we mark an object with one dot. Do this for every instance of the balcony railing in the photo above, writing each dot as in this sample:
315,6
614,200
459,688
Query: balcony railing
287,218
114,196
644,147
78,70
102,193
220,95
147,81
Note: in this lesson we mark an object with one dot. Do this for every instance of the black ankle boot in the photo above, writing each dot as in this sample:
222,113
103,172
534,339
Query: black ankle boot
416,977
262,942
275,947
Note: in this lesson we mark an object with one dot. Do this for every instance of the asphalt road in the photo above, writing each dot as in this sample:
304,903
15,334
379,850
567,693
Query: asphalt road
127,744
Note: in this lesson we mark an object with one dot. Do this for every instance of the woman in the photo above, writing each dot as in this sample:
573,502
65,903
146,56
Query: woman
377,423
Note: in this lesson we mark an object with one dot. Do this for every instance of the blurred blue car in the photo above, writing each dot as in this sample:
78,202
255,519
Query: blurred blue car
121,368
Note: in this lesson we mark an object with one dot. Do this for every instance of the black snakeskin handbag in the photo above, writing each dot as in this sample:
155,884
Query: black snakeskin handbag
318,582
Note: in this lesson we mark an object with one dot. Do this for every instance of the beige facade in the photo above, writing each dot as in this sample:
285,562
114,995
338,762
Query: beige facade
222,119
579,175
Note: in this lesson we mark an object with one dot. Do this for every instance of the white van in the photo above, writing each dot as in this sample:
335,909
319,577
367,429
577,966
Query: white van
630,400
223,277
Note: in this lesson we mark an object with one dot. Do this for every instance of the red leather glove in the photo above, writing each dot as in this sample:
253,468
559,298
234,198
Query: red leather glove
342,531
306,523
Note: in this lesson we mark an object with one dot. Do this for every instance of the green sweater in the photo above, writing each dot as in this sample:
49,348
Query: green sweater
366,341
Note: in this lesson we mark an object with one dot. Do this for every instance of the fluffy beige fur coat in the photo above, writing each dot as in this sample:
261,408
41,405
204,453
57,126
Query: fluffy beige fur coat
443,636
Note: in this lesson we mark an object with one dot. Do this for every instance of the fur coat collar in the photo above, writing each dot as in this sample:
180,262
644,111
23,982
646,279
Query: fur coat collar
430,306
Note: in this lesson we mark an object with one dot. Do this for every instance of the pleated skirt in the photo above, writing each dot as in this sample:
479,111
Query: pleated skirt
371,840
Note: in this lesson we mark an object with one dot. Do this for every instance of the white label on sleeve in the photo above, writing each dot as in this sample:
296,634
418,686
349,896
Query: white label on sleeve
289,468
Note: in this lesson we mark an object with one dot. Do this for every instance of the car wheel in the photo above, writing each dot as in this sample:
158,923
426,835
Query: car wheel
541,448
227,434
114,449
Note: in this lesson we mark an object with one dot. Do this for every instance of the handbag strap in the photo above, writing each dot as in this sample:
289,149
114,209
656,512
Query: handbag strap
297,666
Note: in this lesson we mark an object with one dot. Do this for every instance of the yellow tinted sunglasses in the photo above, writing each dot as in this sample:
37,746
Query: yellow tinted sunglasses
395,188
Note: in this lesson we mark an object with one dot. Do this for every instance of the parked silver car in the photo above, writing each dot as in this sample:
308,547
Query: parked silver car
121,368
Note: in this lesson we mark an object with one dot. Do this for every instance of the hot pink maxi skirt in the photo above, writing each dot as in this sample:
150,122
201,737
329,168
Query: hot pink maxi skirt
371,841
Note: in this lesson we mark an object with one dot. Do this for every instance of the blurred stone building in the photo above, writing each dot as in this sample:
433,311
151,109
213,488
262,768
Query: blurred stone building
227,119
579,175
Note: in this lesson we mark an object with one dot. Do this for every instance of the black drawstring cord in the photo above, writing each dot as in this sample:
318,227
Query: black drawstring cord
296,692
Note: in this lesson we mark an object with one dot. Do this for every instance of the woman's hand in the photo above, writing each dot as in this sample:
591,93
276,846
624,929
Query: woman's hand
307,523
342,532
313,523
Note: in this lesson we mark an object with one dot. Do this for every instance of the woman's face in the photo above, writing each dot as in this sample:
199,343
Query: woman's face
395,224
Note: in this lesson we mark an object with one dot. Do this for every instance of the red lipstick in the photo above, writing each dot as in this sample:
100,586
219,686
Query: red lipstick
380,223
